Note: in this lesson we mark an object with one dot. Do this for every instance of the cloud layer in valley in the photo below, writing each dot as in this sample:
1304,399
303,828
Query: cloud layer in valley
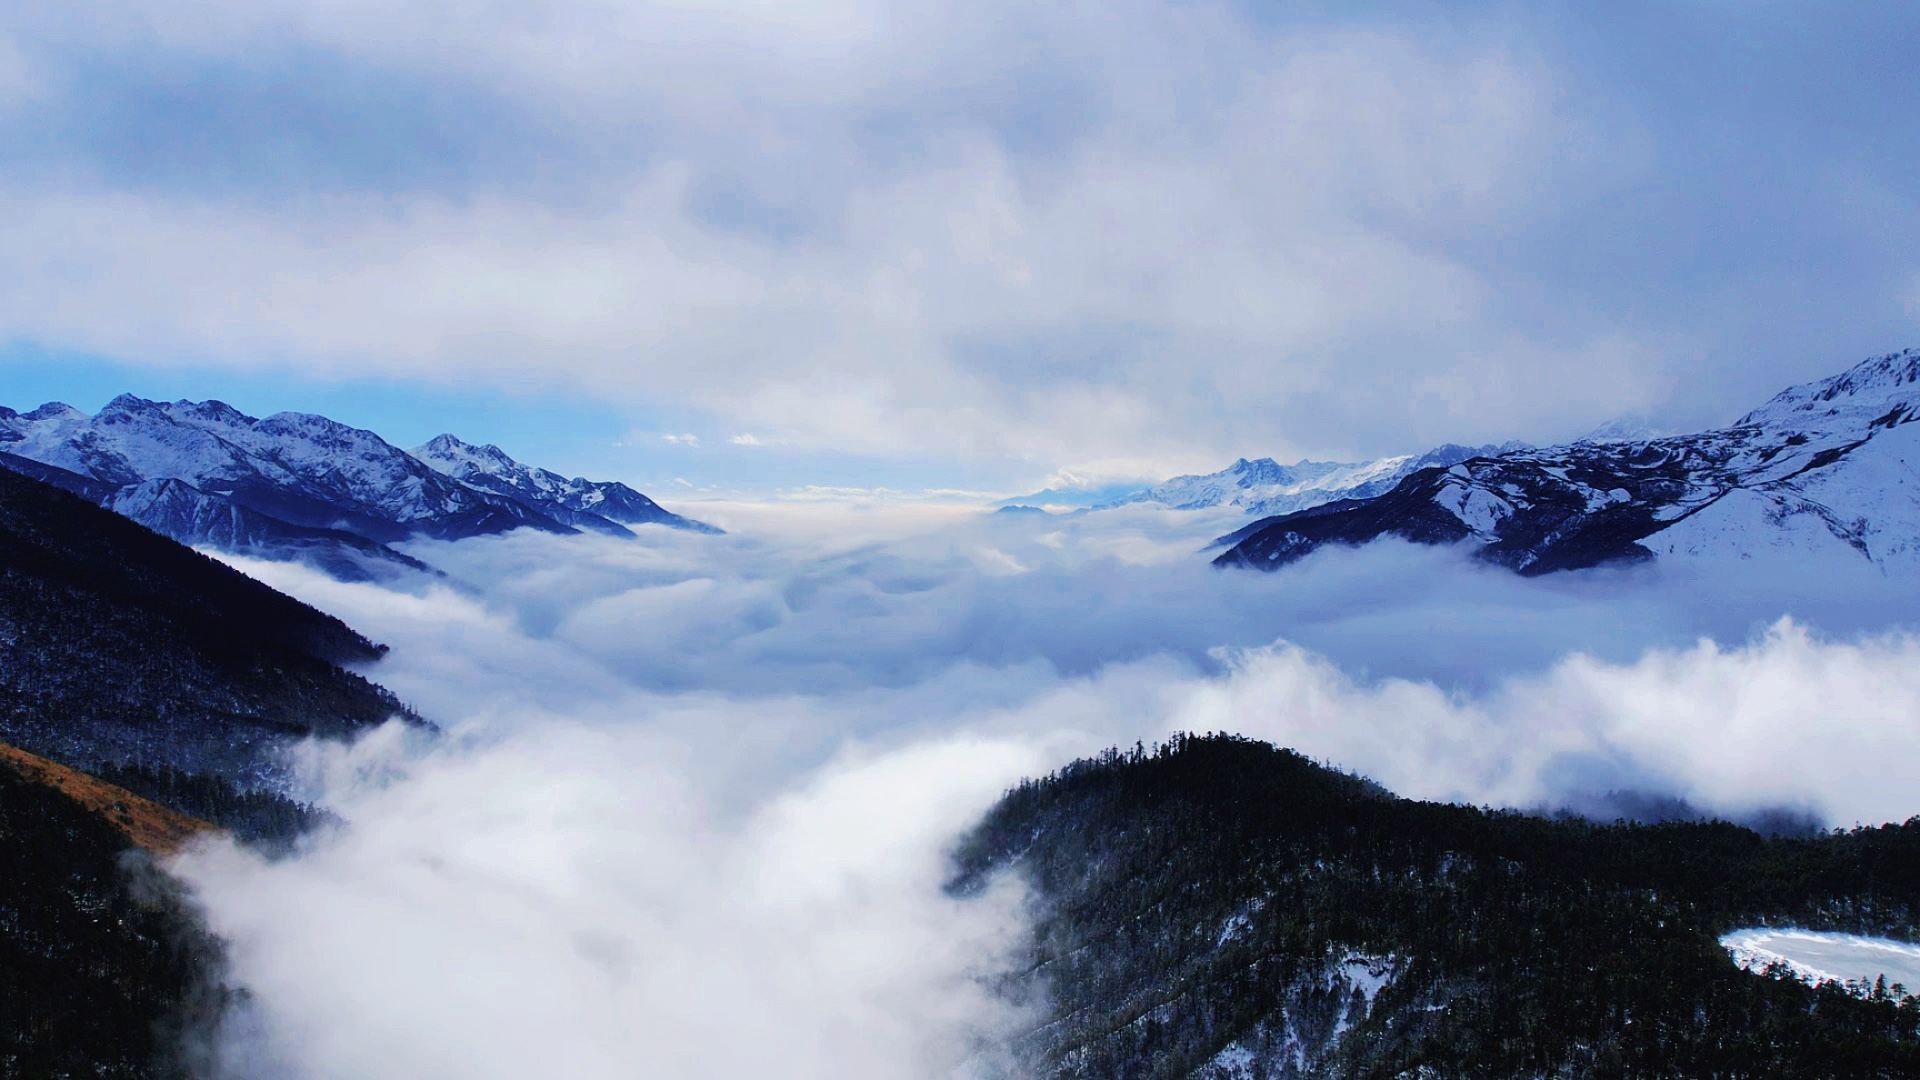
691,809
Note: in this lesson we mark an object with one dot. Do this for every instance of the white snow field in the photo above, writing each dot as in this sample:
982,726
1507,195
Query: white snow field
1817,956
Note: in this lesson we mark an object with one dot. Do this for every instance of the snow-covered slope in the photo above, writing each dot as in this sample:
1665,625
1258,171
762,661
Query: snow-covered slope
292,485
1266,487
1822,469
577,501
301,469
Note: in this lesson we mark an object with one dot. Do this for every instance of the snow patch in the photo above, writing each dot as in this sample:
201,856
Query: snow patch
1854,961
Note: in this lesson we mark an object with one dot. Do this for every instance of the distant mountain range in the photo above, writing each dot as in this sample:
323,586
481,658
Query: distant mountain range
1261,486
1823,469
1267,487
302,487
1826,470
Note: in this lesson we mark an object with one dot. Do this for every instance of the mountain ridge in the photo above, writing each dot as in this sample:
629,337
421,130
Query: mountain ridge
299,486
575,500
1820,469
1262,486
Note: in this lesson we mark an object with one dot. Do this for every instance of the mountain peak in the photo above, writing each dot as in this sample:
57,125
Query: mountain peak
129,403
1873,385
312,422
1263,486
211,411
55,410
601,506
447,448
442,443
1624,429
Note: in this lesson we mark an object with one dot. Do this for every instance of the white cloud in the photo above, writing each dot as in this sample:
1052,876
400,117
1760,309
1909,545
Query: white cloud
566,903
20,80
681,440
691,813
1232,243
746,438
1909,297
1787,720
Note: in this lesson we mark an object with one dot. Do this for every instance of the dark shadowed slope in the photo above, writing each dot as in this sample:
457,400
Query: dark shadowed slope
122,646
125,652
102,968
177,509
1222,909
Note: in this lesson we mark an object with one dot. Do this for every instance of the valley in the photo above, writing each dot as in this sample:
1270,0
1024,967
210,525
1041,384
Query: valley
582,743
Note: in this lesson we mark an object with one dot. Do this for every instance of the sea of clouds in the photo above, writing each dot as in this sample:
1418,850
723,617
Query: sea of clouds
689,811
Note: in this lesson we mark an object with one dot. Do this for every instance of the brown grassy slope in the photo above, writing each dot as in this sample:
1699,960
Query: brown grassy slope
145,823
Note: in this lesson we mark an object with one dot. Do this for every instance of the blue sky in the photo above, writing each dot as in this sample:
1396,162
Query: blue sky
940,245
564,432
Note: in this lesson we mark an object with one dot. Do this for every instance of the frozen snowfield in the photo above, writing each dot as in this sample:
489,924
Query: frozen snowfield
1848,958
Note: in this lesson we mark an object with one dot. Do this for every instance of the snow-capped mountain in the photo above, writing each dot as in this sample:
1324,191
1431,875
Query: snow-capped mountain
1820,469
1625,429
1068,499
600,506
1265,487
290,486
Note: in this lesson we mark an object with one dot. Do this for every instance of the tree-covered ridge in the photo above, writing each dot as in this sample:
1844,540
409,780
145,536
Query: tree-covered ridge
103,971
1213,907
172,676
153,826
267,820
120,646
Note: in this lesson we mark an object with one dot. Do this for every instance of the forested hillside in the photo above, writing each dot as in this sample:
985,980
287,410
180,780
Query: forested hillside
102,969
121,648
175,677
1220,908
